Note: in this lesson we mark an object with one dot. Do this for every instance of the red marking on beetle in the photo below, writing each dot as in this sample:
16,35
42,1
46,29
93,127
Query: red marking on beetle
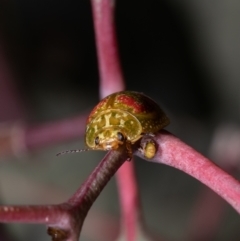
131,102
97,108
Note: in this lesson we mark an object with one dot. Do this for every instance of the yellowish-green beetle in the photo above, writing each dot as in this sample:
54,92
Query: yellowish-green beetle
123,118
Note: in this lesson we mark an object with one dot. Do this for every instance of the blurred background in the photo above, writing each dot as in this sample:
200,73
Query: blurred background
184,54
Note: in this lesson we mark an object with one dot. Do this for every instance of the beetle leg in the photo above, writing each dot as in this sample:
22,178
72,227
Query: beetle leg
150,134
148,146
129,150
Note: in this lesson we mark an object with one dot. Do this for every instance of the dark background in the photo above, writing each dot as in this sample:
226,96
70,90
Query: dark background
185,55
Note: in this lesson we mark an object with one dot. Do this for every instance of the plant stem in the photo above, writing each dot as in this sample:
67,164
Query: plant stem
108,57
173,152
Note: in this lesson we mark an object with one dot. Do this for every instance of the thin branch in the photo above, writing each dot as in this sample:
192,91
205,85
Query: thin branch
175,153
224,150
108,57
129,200
52,133
16,138
111,80
65,220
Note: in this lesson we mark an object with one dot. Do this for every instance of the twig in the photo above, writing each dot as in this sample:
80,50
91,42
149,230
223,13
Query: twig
65,220
175,153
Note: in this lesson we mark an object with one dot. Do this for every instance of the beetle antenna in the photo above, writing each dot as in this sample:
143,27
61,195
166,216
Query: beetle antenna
72,151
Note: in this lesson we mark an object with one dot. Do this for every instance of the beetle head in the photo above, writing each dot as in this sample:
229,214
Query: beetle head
109,139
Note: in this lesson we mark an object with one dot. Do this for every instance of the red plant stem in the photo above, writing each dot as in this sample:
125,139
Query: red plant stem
85,196
16,139
103,223
111,80
95,183
49,133
108,57
69,216
213,205
129,199
33,214
175,153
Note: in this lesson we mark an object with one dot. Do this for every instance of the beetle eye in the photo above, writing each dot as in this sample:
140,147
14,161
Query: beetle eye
96,140
120,136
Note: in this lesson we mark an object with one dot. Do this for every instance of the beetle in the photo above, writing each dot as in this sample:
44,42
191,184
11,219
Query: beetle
122,118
